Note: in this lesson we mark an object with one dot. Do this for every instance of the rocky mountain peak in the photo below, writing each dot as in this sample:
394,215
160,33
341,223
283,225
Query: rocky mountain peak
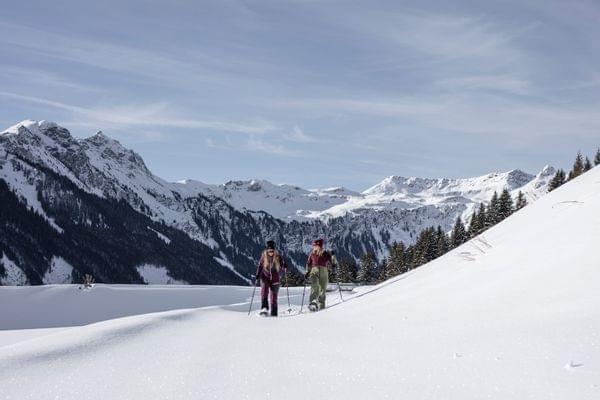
517,178
33,126
102,140
547,171
110,148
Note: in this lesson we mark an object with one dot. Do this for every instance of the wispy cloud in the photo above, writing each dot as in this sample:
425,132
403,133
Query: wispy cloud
160,65
394,107
156,64
476,114
498,83
446,36
417,39
298,135
37,78
147,115
592,83
262,145
251,144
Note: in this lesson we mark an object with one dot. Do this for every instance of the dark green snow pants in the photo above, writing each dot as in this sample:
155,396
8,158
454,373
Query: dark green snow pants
319,278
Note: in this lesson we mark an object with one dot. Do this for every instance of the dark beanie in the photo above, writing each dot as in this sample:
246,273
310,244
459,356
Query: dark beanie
318,242
271,244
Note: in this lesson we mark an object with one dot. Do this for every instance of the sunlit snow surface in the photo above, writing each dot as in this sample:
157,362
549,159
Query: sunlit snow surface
513,314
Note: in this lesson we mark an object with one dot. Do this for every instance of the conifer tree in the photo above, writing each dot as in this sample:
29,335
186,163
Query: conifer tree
505,205
421,248
577,167
432,244
366,271
492,214
426,246
441,242
332,274
557,181
346,271
410,257
597,158
481,218
587,165
382,271
459,234
396,262
474,228
521,201
294,278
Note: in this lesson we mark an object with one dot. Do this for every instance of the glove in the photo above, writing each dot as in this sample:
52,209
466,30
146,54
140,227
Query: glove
307,274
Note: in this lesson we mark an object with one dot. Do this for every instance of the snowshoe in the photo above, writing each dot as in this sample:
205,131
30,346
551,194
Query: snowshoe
264,312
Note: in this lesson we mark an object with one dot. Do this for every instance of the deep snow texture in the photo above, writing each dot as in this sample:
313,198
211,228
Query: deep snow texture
512,314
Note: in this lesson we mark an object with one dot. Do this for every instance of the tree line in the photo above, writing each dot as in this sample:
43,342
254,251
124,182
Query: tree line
431,243
580,166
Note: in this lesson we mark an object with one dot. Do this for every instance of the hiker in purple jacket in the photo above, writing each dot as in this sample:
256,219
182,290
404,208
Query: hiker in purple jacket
270,268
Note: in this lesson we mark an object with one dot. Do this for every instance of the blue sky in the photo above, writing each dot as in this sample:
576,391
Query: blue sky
313,93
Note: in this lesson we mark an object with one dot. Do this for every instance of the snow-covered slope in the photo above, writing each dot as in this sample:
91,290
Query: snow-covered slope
98,165
281,201
13,275
513,314
396,192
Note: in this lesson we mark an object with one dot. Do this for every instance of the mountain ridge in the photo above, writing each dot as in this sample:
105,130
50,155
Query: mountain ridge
235,218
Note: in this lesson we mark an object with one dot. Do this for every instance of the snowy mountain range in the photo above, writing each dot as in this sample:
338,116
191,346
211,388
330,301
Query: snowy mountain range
395,192
74,184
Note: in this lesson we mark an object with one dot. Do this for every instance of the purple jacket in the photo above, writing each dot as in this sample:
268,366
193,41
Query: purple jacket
314,260
267,269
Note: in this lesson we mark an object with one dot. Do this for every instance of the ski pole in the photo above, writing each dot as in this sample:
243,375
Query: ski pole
340,289
253,291
337,274
303,292
287,288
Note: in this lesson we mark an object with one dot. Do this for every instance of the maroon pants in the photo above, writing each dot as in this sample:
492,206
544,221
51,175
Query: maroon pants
265,287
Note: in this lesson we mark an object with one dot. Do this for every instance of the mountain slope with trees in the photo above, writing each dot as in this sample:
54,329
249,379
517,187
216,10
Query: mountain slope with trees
36,155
